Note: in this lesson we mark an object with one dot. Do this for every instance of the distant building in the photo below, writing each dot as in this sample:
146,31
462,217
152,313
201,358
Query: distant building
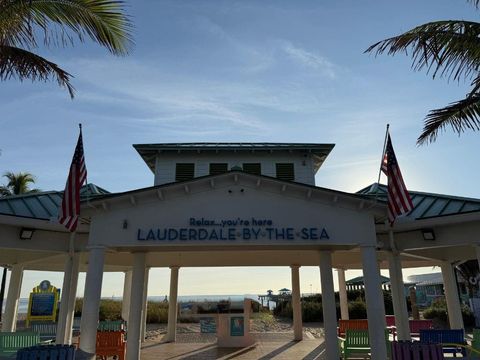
429,287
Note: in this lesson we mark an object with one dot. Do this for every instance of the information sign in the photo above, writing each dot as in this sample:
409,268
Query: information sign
208,325
237,326
43,303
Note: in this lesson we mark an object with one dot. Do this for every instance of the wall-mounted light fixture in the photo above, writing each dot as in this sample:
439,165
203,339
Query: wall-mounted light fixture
26,234
428,234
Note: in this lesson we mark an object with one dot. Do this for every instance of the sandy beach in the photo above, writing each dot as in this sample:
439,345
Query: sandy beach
260,323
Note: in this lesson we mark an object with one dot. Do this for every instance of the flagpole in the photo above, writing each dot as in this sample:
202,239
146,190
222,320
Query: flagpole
381,161
71,242
86,176
383,154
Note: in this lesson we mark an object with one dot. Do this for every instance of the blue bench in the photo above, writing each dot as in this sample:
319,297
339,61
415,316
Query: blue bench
452,341
50,352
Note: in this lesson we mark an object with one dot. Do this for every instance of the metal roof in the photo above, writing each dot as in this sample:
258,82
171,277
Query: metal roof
149,152
42,205
359,280
427,205
426,279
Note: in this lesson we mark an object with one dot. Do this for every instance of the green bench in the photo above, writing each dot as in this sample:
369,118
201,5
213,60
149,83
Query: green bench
47,330
11,342
357,342
117,325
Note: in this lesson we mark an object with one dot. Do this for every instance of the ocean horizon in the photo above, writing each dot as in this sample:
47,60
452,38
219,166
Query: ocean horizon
23,303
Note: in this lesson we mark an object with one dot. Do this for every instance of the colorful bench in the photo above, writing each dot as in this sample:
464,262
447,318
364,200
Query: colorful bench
390,320
111,343
476,340
50,352
449,339
417,325
406,350
357,342
356,324
11,342
76,323
47,330
117,325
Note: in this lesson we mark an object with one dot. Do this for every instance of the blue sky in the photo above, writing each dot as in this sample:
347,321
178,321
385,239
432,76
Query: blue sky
243,71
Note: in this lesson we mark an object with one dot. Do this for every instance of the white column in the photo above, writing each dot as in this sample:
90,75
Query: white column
342,292
451,296
127,288
172,305
398,296
136,304
477,251
375,305
72,297
62,313
296,304
9,323
91,299
145,305
329,307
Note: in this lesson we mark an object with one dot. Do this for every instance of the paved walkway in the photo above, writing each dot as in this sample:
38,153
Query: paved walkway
269,346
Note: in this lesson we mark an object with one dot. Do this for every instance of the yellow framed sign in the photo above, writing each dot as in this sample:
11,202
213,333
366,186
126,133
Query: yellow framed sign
43,303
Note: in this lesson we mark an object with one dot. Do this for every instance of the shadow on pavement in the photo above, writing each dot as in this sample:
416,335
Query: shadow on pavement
278,351
317,354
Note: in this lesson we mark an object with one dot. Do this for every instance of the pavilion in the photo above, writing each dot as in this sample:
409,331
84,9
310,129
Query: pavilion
215,216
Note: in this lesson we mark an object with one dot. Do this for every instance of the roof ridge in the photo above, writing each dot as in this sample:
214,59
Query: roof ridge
47,192
34,193
425,193
199,178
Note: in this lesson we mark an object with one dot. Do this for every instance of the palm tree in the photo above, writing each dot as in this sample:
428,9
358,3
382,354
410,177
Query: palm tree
448,49
26,23
17,184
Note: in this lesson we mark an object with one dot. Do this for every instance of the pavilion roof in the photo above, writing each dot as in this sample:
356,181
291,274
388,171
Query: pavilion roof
359,280
42,205
149,152
427,205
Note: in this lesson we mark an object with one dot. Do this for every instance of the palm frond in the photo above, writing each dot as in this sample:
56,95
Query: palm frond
5,191
104,21
17,183
475,3
460,115
22,64
449,48
15,29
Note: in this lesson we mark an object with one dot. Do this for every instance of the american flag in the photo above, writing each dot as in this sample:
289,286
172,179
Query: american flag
399,201
70,208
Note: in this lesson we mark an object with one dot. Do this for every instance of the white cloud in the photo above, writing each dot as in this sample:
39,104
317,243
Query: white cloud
311,60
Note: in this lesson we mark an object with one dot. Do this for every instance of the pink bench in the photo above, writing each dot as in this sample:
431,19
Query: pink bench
417,325
390,320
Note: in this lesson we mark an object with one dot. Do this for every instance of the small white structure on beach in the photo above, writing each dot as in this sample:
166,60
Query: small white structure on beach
236,204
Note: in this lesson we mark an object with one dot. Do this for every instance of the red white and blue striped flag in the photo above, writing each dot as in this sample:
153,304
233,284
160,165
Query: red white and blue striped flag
399,201
70,208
